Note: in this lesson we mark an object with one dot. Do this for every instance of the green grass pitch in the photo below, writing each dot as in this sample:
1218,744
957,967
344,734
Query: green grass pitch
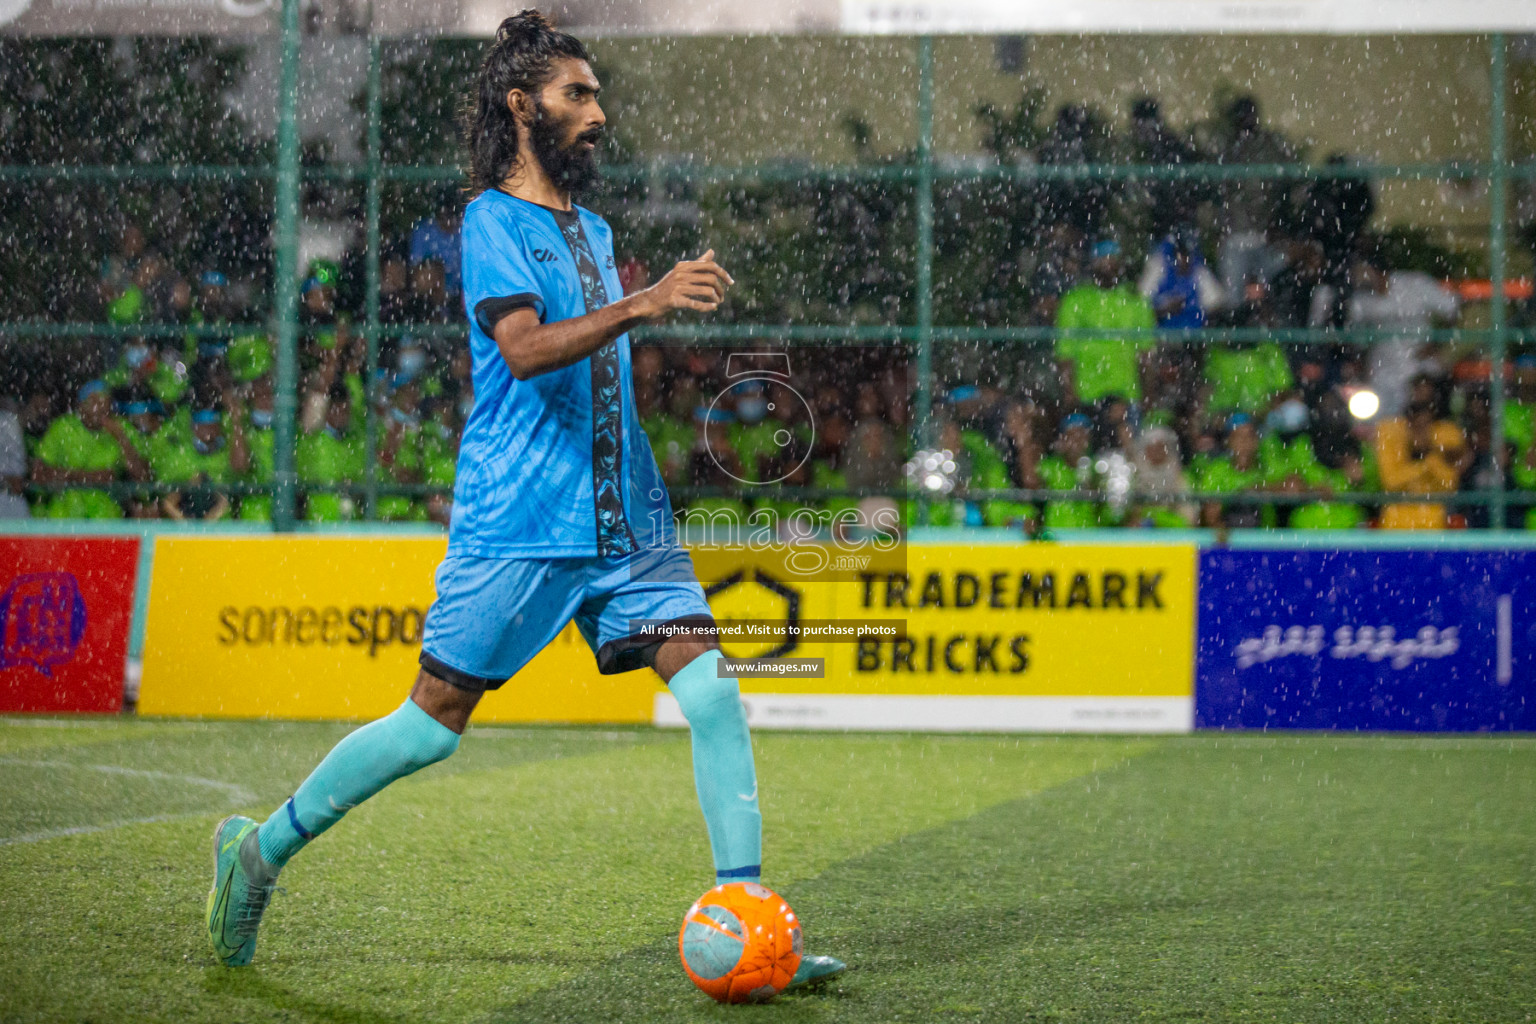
541,874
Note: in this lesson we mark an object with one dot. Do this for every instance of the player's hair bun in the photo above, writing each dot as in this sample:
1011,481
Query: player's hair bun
522,57
525,24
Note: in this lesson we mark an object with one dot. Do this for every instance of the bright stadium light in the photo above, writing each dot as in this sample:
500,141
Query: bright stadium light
1364,404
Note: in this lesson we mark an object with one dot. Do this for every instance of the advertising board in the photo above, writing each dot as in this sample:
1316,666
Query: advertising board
65,608
1050,637
1046,637
1409,640
330,627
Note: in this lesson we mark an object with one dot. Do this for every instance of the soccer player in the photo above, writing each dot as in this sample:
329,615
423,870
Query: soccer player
559,510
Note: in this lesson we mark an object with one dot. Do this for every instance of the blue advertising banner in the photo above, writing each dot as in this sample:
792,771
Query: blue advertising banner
1404,640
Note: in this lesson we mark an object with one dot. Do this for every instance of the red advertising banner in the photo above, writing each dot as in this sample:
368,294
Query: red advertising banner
65,608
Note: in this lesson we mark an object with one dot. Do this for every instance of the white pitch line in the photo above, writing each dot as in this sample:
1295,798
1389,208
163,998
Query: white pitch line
78,830
235,792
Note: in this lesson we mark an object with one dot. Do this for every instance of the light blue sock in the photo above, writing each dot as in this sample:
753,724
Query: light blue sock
406,740
722,767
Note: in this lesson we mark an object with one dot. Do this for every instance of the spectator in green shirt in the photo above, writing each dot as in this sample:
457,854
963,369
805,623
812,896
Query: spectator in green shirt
1094,368
1239,470
135,363
755,436
440,437
169,382
1520,410
1520,430
148,432
978,467
1523,470
1244,377
989,471
1068,468
823,469
332,455
210,307
323,328
1291,466
145,416
714,463
400,453
211,455
1353,475
331,354
259,419
671,431
793,516
89,447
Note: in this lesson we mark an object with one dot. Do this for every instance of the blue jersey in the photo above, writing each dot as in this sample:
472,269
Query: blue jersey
557,465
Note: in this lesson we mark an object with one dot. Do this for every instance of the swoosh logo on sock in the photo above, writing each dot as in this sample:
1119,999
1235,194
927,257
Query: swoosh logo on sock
748,796
343,808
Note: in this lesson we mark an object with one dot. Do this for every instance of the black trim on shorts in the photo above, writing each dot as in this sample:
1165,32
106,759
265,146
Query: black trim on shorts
489,312
627,653
462,680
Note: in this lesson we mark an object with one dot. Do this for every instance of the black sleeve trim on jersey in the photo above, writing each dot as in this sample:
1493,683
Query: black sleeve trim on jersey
489,312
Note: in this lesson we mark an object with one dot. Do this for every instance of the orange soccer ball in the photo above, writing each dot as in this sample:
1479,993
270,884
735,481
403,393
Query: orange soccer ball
740,943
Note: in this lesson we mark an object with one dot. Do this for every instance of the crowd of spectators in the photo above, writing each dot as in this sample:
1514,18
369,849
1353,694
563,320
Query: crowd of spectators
181,426
1138,408
1147,423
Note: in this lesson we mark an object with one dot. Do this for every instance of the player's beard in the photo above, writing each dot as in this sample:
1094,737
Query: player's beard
571,166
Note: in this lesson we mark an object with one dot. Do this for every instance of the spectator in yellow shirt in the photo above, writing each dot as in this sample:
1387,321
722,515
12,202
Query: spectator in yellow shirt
1420,454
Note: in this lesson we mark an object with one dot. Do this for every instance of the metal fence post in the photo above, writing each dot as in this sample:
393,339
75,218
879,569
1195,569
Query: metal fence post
1498,203
285,287
925,240
371,440
925,431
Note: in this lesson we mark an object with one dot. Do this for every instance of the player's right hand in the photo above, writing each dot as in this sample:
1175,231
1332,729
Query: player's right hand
693,284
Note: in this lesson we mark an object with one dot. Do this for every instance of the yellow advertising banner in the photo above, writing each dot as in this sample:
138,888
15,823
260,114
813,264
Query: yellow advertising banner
1025,620
330,627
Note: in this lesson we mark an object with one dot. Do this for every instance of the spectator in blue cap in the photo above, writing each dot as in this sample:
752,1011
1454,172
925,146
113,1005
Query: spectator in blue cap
213,452
91,448
211,309
1239,470
1069,467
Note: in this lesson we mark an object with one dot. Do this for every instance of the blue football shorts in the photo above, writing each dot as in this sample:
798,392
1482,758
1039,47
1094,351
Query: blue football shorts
492,615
